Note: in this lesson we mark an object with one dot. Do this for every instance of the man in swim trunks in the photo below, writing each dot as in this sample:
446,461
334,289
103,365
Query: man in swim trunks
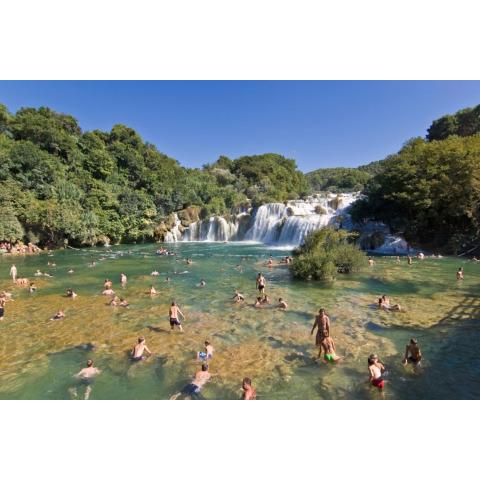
86,376
322,323
193,389
375,368
138,349
207,354
413,354
328,346
174,312
261,283
249,393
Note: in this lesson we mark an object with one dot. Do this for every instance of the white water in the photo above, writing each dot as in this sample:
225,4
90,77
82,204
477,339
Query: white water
276,223
174,235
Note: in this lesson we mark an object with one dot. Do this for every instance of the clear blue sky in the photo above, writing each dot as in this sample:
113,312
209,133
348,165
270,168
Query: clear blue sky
320,124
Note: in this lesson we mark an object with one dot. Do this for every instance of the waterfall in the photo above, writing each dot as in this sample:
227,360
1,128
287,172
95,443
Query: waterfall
174,235
276,223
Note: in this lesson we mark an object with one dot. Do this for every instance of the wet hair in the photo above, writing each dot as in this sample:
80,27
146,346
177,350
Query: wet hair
413,341
247,381
280,299
372,358
259,299
174,303
322,310
207,342
141,339
380,300
204,367
89,363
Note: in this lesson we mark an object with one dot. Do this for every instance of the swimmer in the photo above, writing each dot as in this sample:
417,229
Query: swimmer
249,393
38,273
168,279
123,279
152,290
238,297
114,302
207,354
71,271
398,259
409,260
371,262
108,291
282,304
32,288
86,376
174,313
193,389
189,261
322,323
384,304
265,299
270,262
92,264
155,273
13,273
413,354
202,283
107,284
123,303
139,349
460,274
47,275
71,293
328,346
261,283
59,315
375,368
258,303
421,256
475,259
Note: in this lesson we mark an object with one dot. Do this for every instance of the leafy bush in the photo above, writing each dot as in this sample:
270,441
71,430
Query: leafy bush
325,253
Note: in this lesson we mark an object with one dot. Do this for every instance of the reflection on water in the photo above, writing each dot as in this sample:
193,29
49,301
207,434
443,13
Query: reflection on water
39,357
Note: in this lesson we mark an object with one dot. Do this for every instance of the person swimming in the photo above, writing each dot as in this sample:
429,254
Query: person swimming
86,376
328,346
155,273
375,368
371,261
193,389
384,304
123,303
168,279
152,290
174,313
32,288
282,304
108,291
38,273
258,303
59,315
202,283
460,275
139,349
71,270
207,354
413,355
249,393
71,293
238,297
322,323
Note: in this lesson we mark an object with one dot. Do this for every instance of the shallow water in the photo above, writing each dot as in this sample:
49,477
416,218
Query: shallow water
38,357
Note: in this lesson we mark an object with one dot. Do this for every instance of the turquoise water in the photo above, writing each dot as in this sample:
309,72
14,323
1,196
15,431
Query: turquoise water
39,357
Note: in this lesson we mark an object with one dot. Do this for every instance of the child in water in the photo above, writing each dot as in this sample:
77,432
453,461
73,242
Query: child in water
207,354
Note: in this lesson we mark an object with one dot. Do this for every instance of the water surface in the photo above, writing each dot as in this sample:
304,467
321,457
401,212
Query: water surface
38,357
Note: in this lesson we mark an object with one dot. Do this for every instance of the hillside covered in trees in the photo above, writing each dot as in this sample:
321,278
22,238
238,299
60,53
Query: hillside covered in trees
60,184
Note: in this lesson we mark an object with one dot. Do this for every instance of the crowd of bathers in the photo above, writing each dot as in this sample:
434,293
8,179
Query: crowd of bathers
323,340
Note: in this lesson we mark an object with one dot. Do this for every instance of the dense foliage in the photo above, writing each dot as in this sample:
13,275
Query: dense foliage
464,123
430,192
338,179
325,253
59,184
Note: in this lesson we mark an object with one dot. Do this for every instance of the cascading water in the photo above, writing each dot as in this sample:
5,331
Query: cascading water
275,223
174,235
